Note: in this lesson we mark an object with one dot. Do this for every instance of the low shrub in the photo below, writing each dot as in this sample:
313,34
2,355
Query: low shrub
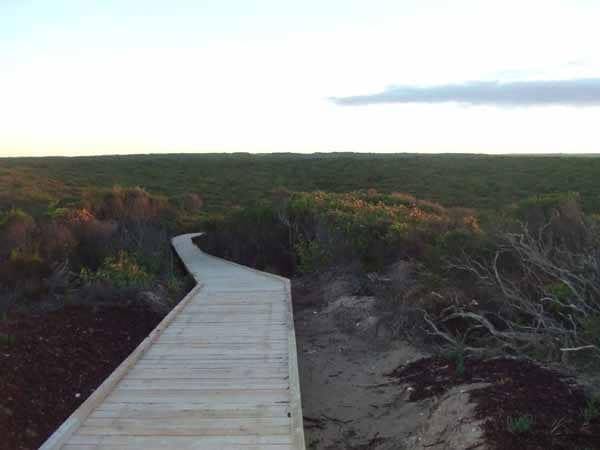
519,424
253,236
120,271
95,241
132,204
56,240
590,328
189,203
310,229
16,232
557,219
377,228
311,256
404,198
25,265
7,339
591,410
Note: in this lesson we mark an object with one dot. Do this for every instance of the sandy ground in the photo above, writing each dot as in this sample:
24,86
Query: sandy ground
348,402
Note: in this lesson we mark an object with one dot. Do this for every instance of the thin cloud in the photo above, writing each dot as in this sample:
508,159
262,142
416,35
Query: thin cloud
578,92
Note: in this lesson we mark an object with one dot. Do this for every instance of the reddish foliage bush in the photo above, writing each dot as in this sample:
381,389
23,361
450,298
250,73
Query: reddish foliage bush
56,240
15,232
133,204
558,219
407,199
431,207
94,238
26,265
192,202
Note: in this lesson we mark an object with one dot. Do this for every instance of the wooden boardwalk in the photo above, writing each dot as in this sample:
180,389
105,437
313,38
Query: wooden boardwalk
218,373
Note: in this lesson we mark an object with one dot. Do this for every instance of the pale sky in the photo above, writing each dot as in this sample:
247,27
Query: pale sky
137,76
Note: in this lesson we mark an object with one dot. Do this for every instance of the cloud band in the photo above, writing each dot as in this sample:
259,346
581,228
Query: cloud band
576,92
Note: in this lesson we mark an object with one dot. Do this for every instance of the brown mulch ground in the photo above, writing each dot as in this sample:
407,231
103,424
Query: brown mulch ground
519,388
56,361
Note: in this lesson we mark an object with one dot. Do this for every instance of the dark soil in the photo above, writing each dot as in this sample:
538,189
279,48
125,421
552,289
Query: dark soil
518,388
51,362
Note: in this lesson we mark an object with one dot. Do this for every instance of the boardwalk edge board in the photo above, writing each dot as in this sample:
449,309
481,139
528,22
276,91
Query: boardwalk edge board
183,245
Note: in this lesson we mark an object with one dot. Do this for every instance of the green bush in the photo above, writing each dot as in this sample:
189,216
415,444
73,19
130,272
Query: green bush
27,264
557,218
519,424
312,229
377,228
252,236
591,410
13,214
16,231
591,329
560,290
54,211
457,356
121,271
311,256
133,204
7,339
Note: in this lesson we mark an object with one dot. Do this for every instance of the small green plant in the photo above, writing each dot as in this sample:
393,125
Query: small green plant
174,284
457,355
591,410
519,424
55,211
591,329
459,360
27,263
12,214
120,271
311,255
7,339
560,290
23,257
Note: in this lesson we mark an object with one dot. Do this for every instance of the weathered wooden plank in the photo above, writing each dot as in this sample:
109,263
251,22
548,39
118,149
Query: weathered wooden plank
235,323
206,396
170,411
191,404
263,354
277,442
196,443
203,384
221,329
210,364
269,344
185,426
208,373
251,313
203,355
224,341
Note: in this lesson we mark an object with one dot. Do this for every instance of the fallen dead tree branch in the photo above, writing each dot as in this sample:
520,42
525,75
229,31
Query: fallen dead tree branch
549,298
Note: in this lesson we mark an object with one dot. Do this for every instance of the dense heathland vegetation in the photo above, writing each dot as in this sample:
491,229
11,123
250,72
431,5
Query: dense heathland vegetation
109,250
523,229
476,181
520,232
503,252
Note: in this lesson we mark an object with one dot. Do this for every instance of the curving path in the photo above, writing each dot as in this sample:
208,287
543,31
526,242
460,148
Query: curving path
218,373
